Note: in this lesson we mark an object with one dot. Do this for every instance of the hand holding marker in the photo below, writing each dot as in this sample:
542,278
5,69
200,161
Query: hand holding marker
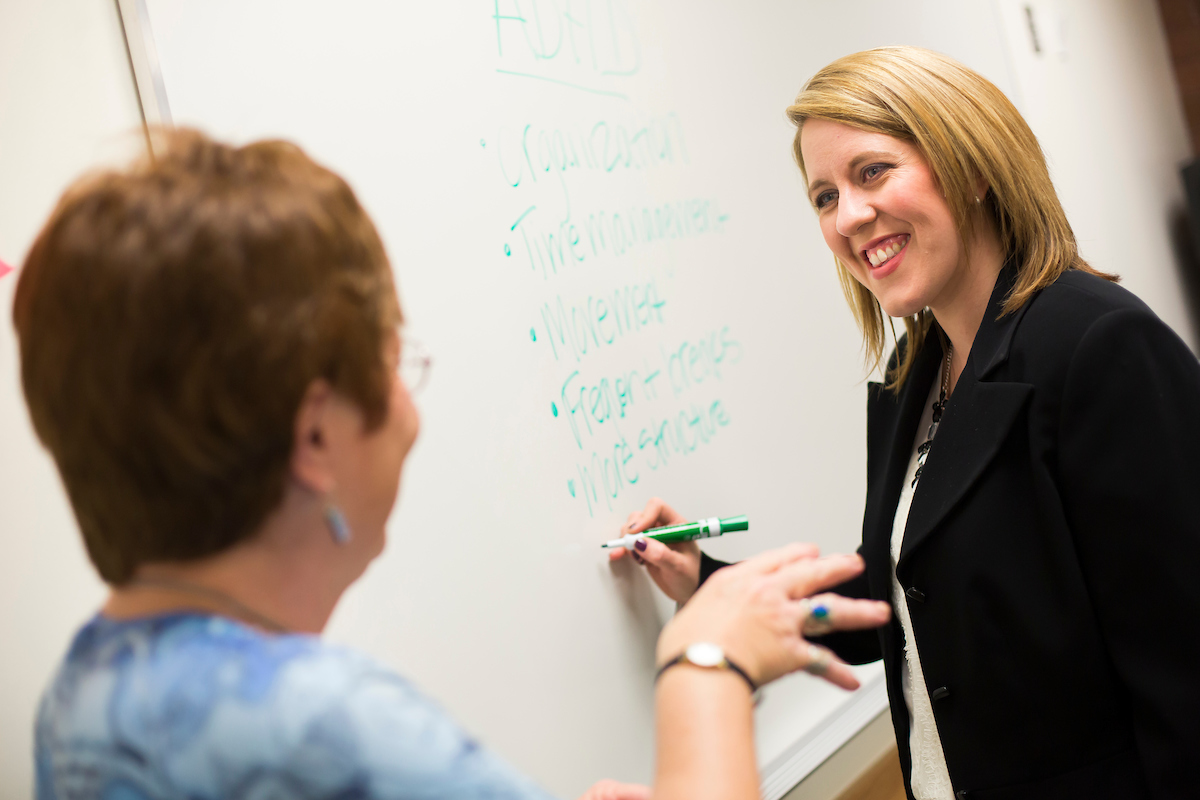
687,532
816,619
674,567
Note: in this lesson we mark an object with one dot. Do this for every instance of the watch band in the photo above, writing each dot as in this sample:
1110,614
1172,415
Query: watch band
682,658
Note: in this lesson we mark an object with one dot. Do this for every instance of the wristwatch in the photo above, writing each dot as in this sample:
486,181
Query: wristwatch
707,655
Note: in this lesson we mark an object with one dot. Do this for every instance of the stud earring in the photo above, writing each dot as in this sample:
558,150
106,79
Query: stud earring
338,526
977,200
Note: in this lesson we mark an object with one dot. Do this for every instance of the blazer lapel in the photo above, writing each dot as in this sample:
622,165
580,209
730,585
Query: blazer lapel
972,430
891,428
976,422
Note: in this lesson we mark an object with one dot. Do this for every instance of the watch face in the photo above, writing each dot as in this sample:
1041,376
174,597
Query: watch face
705,654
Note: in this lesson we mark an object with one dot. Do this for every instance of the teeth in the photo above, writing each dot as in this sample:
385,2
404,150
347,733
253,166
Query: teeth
884,253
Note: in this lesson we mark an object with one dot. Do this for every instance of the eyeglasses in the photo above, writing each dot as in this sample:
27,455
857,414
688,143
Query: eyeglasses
414,364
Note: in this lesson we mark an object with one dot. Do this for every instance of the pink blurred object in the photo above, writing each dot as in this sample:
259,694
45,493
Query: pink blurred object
4,269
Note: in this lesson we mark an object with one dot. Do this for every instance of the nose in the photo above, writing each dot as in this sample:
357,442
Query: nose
853,212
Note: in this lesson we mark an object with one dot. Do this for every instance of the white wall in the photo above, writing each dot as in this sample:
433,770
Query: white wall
66,104
1104,105
1103,101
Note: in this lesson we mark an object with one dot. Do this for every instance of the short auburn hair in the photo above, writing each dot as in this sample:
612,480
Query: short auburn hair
966,129
171,317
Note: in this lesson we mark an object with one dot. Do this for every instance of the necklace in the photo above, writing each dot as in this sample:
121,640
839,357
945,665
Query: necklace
938,408
239,609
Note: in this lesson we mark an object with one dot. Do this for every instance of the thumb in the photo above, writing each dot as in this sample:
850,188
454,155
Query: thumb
661,557
652,551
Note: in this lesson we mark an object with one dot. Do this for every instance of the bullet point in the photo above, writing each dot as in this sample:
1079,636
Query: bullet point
571,487
482,143
507,250
532,335
554,409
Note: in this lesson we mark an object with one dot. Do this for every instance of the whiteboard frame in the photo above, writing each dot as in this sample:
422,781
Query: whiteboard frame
780,775
143,61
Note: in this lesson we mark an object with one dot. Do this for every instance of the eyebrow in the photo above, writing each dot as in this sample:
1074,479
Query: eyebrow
854,164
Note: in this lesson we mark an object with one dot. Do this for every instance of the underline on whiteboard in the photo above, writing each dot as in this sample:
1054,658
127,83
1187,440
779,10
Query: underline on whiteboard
523,216
580,87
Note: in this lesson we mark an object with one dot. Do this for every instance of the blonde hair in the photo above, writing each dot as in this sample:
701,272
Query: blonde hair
967,130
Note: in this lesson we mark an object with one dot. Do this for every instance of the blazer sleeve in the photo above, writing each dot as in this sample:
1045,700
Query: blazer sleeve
853,647
709,565
1129,472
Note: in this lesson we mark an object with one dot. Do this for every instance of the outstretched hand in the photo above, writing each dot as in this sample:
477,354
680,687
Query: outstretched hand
758,610
675,567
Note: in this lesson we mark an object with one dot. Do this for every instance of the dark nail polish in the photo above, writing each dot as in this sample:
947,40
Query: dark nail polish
639,559
640,544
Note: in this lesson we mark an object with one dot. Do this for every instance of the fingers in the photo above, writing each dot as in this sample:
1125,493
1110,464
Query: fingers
617,553
804,578
682,557
655,515
631,791
611,790
822,663
652,551
829,612
815,616
773,560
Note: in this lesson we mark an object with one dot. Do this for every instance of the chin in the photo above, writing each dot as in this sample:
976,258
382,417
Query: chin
380,543
898,308
904,299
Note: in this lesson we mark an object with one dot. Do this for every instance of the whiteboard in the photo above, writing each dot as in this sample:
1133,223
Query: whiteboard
597,230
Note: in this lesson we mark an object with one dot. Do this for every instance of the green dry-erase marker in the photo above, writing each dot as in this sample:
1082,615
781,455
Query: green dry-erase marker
685,533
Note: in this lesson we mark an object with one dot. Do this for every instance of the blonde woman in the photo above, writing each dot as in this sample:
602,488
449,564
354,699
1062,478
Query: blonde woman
1033,457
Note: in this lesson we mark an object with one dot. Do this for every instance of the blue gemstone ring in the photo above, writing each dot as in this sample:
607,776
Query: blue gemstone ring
816,620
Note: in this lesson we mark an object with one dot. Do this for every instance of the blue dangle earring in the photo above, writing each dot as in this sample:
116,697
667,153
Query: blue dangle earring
338,526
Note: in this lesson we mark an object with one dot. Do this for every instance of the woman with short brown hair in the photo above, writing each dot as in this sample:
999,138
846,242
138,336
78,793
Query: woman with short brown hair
265,274
209,350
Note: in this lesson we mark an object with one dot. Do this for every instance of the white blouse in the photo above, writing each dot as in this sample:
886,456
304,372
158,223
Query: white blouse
930,777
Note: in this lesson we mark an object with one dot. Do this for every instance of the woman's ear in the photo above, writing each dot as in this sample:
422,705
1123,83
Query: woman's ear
311,463
980,187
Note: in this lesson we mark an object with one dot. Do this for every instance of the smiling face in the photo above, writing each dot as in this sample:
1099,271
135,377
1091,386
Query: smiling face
883,216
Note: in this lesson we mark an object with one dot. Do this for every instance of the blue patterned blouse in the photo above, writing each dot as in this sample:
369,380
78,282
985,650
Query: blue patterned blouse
201,707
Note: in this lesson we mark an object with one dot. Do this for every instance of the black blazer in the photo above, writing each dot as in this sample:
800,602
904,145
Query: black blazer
1052,551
